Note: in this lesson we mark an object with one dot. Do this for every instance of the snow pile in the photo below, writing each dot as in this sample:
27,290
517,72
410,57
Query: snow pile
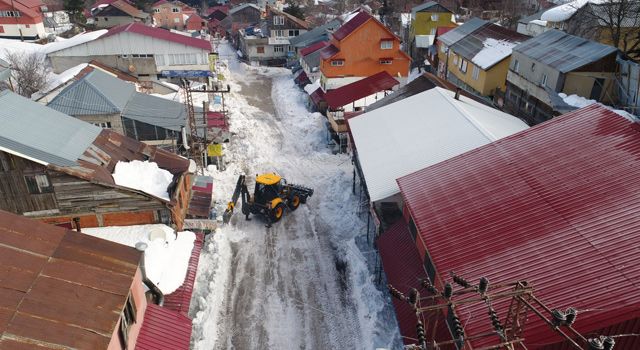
493,52
564,12
575,100
539,22
144,176
58,79
18,47
311,88
166,257
73,41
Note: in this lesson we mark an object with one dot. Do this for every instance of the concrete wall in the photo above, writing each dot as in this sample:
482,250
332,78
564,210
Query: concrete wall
32,32
114,119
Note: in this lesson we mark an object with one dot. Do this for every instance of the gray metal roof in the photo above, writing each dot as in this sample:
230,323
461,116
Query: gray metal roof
453,36
562,51
315,35
312,59
533,17
428,5
42,134
94,94
156,111
5,71
242,7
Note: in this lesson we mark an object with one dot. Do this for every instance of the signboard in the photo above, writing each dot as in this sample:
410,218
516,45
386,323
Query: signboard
214,150
213,57
186,73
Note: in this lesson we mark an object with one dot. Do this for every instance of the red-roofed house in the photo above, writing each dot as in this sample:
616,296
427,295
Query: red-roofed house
171,14
21,19
554,206
139,50
361,47
195,23
118,12
218,20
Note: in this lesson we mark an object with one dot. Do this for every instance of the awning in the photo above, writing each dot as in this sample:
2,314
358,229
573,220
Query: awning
164,329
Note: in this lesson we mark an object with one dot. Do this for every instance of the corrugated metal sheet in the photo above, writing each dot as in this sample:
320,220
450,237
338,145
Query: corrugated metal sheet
158,33
422,83
180,300
157,111
164,329
451,37
562,51
315,35
201,195
471,44
344,95
60,287
555,205
313,48
313,59
347,28
430,6
40,133
422,130
328,52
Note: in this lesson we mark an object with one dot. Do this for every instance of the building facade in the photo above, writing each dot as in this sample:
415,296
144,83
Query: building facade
22,19
171,14
425,20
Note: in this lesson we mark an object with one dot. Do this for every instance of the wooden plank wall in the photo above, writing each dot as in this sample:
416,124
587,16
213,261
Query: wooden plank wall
14,194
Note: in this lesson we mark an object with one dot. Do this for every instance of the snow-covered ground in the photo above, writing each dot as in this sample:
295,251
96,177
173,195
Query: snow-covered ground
303,283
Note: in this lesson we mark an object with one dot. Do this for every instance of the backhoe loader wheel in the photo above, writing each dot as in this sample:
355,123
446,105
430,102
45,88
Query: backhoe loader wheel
277,212
294,202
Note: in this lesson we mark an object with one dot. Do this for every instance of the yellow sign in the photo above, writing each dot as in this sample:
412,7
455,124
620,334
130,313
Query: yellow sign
213,57
215,150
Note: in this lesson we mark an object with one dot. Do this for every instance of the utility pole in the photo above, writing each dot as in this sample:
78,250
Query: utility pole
196,146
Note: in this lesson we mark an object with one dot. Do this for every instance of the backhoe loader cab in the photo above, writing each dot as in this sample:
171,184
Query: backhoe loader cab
271,196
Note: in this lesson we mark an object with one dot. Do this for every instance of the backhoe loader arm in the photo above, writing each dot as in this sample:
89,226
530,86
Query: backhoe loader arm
241,189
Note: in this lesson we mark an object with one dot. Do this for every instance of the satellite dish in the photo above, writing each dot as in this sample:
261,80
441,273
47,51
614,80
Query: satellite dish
192,166
132,68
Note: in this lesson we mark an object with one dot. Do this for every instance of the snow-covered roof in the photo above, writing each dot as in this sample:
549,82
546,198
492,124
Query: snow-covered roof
166,257
400,138
565,11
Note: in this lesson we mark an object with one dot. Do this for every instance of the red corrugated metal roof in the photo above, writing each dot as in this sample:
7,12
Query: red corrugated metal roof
164,329
313,48
217,120
555,205
351,25
403,268
159,34
180,300
442,30
317,96
329,52
362,88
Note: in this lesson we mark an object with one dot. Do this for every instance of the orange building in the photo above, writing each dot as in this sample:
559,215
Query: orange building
171,14
360,48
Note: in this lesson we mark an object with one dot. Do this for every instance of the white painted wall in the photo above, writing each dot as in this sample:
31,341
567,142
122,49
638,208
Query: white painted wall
13,30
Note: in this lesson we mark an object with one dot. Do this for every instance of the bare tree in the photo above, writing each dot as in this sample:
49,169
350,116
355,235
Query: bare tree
29,72
613,22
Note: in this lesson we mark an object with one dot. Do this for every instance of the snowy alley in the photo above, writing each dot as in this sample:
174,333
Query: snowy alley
303,283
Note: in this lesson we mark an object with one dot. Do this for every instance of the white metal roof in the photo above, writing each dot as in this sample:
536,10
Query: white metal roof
422,130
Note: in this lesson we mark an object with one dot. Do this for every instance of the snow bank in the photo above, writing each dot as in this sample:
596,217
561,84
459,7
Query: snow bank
564,12
18,47
167,254
493,52
580,102
144,176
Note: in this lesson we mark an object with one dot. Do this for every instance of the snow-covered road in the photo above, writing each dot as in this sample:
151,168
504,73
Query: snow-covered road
303,283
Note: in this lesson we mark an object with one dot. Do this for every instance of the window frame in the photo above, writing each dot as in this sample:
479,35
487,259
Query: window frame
278,48
383,45
337,63
543,82
278,20
475,74
127,319
516,66
386,61
34,183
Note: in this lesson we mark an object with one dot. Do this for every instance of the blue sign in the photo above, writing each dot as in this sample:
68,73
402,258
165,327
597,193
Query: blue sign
186,73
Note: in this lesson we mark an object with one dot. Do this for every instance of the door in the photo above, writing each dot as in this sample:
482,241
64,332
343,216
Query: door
596,91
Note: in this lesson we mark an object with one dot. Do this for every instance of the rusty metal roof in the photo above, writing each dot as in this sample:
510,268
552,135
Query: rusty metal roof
60,287
180,300
562,51
555,205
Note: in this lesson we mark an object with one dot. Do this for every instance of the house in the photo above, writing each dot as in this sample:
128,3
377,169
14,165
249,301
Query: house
314,36
400,138
171,14
195,23
269,44
117,13
361,47
58,169
550,206
218,20
532,25
425,20
609,22
45,265
22,19
475,56
106,101
310,60
139,50
242,16
556,62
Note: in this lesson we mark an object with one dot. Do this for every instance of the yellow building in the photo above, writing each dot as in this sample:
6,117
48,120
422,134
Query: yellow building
475,56
425,20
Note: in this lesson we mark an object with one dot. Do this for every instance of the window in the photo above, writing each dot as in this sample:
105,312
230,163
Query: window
476,72
463,66
337,63
278,33
435,17
386,44
10,14
516,66
176,20
28,26
544,80
106,19
6,163
127,318
175,10
104,125
443,48
533,67
294,32
1,29
433,31
278,20
455,59
260,49
156,10
386,61
37,184
278,48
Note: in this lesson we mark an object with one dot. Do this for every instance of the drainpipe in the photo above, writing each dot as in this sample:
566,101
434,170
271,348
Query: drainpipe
157,293
457,96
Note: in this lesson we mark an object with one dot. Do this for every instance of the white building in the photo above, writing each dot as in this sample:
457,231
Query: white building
139,50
